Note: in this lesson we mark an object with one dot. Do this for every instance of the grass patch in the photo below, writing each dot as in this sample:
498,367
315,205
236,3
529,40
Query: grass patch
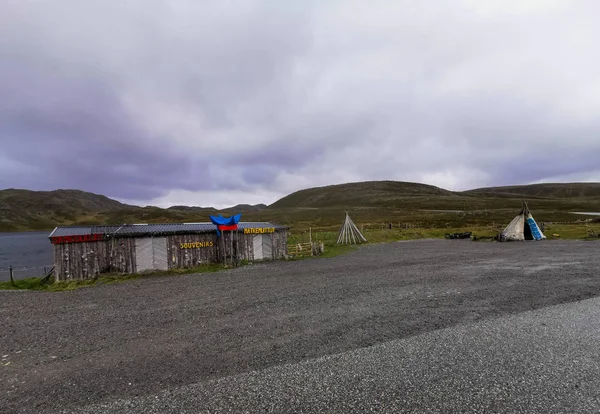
573,231
332,251
30,283
373,236
577,231
329,238
35,283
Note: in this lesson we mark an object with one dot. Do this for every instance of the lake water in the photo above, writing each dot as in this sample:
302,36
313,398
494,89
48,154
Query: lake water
26,252
586,213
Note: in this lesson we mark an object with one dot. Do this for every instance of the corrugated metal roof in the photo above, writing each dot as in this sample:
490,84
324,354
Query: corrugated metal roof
71,231
129,230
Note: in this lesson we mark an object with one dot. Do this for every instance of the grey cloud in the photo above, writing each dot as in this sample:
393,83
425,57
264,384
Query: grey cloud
81,139
138,99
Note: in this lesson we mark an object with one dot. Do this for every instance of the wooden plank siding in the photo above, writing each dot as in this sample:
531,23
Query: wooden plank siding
79,261
87,260
185,258
229,247
280,244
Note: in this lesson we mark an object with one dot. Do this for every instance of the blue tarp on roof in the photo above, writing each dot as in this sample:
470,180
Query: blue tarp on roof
219,220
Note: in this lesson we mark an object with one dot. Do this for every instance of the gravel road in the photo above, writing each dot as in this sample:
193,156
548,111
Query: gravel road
542,361
217,332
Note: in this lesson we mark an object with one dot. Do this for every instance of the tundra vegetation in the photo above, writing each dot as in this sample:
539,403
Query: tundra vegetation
384,211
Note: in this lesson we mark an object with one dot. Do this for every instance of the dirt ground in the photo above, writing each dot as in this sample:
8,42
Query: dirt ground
70,349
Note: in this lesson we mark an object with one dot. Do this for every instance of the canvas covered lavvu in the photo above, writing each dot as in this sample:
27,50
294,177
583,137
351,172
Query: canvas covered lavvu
536,233
522,227
514,230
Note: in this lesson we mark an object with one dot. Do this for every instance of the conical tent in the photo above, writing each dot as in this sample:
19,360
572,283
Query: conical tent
522,227
349,233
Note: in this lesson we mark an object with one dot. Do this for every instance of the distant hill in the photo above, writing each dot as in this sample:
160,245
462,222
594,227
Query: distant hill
369,201
30,210
190,208
546,190
390,193
365,193
22,210
245,208
58,199
240,208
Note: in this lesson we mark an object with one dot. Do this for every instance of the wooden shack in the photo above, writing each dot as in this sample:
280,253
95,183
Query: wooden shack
84,252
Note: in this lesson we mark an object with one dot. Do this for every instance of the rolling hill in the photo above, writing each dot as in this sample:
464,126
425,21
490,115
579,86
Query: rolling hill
546,190
31,210
358,194
380,202
240,208
369,202
66,200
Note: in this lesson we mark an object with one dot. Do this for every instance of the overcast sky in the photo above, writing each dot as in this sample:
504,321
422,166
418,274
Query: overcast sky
215,103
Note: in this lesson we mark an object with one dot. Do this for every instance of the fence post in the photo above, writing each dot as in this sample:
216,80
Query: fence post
10,272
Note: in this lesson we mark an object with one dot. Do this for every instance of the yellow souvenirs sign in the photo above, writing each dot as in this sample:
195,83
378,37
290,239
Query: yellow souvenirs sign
259,230
196,245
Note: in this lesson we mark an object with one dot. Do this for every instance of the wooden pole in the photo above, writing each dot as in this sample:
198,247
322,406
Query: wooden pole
346,232
10,271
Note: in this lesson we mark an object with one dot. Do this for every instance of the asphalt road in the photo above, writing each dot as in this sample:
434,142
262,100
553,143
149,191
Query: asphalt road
427,326
543,361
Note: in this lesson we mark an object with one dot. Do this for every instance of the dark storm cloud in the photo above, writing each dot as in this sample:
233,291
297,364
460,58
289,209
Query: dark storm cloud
75,135
203,102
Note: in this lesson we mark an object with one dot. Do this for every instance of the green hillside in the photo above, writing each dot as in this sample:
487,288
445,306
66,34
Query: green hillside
376,204
372,193
546,190
240,208
371,203
40,210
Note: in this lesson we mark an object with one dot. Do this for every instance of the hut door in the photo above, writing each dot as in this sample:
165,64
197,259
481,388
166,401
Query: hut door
257,245
267,246
143,254
151,254
159,251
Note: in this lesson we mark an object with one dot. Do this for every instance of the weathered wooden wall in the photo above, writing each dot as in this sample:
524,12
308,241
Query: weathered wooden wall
186,258
80,261
243,246
229,248
279,244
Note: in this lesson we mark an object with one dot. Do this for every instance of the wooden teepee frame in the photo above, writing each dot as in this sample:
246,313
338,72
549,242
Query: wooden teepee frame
349,233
